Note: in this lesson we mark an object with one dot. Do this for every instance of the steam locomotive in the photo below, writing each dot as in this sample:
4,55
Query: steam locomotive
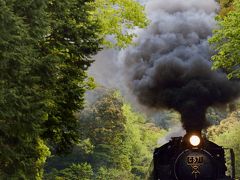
191,157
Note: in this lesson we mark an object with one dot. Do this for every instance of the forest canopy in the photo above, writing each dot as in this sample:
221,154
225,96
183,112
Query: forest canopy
46,49
226,40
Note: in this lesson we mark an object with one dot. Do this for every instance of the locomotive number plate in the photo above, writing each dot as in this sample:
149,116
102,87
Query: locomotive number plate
194,160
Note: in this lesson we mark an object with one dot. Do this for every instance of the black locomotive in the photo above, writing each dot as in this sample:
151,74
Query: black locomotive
191,157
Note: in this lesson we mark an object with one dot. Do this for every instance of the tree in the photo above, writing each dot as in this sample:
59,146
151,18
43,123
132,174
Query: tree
22,151
226,42
225,6
227,134
104,173
76,31
118,141
65,53
81,171
46,47
118,19
104,124
142,137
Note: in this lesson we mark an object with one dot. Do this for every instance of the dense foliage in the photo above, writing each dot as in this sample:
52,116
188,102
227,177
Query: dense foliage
225,6
22,152
117,142
226,42
227,134
46,48
117,19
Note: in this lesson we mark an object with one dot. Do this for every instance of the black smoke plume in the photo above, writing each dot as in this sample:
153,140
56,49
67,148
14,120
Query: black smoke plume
170,67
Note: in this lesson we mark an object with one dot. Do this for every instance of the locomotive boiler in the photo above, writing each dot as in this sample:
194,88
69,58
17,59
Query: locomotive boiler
191,157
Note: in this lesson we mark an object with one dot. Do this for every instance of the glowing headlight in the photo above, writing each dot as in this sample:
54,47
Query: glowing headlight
194,140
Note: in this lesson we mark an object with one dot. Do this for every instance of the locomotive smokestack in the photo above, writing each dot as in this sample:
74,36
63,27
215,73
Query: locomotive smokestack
171,68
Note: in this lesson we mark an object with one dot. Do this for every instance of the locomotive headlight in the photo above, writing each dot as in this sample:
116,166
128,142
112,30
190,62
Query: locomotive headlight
194,140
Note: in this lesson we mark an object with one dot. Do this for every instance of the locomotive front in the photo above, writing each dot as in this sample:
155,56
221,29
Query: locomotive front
191,157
